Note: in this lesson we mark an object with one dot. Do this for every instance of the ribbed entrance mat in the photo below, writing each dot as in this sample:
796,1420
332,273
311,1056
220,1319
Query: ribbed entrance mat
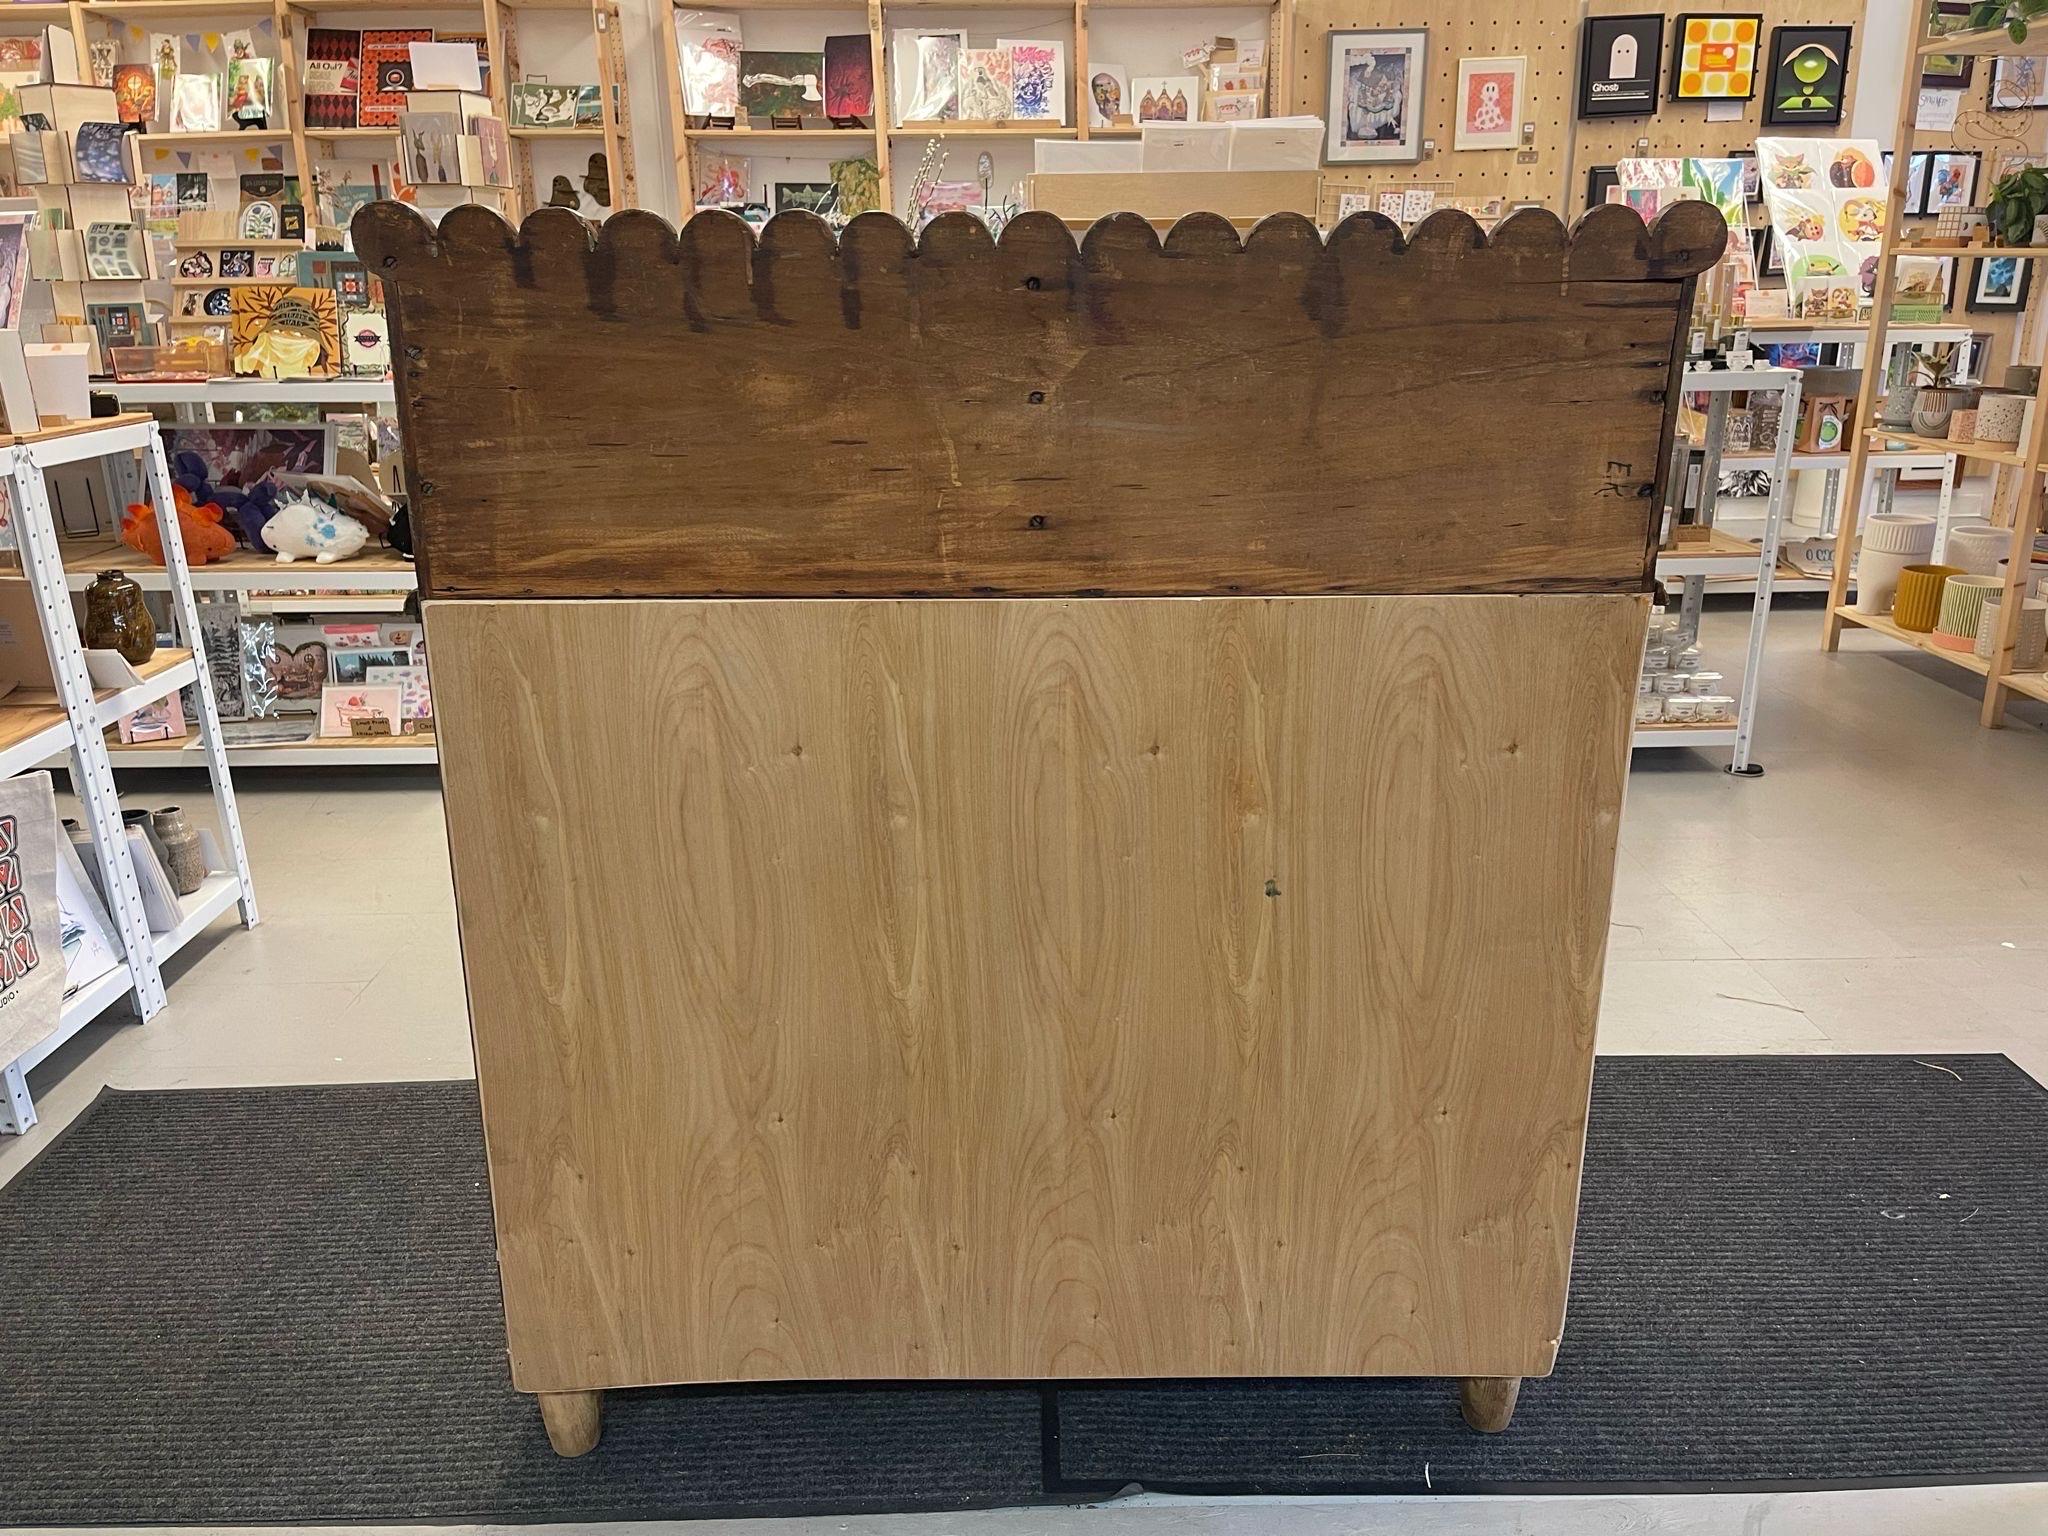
269,1305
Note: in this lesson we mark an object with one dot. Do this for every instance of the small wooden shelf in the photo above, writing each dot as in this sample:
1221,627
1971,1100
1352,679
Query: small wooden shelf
217,282
235,243
1983,452
326,135
770,135
142,11
380,570
1982,41
1026,130
556,133
2019,252
263,136
1969,661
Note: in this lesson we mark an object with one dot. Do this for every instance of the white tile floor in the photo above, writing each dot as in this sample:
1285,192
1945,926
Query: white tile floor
1883,888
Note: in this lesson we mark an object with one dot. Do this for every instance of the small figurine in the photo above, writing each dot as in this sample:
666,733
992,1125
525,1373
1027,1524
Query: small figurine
308,529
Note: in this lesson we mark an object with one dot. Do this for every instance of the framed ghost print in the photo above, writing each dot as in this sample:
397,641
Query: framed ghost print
1489,103
1618,61
1714,56
1375,97
1807,76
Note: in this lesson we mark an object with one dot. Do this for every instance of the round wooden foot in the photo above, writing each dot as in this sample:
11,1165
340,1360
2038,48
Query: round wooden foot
1488,1402
574,1420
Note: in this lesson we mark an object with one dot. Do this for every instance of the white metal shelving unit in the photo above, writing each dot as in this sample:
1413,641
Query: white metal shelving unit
1722,555
374,582
74,719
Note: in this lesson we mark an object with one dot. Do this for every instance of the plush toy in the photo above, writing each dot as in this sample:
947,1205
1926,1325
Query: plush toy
198,525
246,508
308,529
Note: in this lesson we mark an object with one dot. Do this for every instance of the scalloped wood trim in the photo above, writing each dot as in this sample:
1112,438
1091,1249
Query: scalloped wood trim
632,410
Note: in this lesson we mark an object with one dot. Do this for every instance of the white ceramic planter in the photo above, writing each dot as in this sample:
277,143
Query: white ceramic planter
2030,645
1976,546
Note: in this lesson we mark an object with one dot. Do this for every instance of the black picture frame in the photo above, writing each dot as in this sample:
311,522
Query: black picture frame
1637,93
1996,75
1976,304
1949,71
1770,256
1675,70
1752,175
1974,157
1598,179
1786,44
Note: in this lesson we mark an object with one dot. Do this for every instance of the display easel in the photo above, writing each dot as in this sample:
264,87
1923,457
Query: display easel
1091,882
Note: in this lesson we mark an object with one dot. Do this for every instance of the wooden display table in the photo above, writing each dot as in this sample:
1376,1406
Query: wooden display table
1034,810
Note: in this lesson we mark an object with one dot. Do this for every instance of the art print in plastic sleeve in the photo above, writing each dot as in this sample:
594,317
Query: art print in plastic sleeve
708,57
1827,200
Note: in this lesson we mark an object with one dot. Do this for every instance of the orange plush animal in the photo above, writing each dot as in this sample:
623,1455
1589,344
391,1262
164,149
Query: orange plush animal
199,526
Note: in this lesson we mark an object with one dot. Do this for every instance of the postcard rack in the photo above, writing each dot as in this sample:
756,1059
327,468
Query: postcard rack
36,728
882,893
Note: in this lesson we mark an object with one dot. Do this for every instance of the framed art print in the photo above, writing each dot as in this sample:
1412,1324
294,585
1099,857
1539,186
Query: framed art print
2018,84
1714,56
1490,102
2000,285
1807,76
1375,97
1598,179
1951,182
1948,71
1618,61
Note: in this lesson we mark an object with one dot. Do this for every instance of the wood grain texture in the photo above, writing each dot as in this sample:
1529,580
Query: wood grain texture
639,413
574,1421
1034,988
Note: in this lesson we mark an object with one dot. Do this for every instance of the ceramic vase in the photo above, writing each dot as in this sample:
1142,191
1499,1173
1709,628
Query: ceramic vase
2029,646
1975,546
1962,427
1962,605
1897,412
1891,542
117,618
1918,604
2000,417
1933,408
179,839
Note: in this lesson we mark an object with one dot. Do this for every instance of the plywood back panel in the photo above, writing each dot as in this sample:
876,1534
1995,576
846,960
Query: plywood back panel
1034,988
641,413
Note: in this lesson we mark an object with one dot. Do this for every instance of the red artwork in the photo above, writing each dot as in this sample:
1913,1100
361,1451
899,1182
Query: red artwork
849,76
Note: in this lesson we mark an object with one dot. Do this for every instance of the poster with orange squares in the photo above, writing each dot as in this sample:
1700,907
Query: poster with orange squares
1713,57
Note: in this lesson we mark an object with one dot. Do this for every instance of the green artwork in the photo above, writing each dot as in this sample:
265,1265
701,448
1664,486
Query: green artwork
1809,72
782,84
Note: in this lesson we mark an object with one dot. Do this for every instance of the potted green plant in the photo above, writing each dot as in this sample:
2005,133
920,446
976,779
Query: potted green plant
1937,395
2018,198
2013,15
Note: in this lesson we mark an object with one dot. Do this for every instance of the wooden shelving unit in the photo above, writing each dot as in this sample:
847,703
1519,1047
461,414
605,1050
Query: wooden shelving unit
2017,488
742,139
292,19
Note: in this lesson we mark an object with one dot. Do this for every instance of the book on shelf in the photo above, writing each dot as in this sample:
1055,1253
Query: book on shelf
333,77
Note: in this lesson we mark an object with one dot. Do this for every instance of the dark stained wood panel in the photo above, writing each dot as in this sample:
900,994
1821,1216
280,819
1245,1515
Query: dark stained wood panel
634,412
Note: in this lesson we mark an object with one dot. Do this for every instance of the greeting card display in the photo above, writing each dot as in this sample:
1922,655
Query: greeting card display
1826,199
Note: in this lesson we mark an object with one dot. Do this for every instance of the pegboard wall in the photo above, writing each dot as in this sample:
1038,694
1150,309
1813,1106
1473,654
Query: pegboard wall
1546,34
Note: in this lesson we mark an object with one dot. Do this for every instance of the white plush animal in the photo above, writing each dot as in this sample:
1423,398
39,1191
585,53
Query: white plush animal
304,528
